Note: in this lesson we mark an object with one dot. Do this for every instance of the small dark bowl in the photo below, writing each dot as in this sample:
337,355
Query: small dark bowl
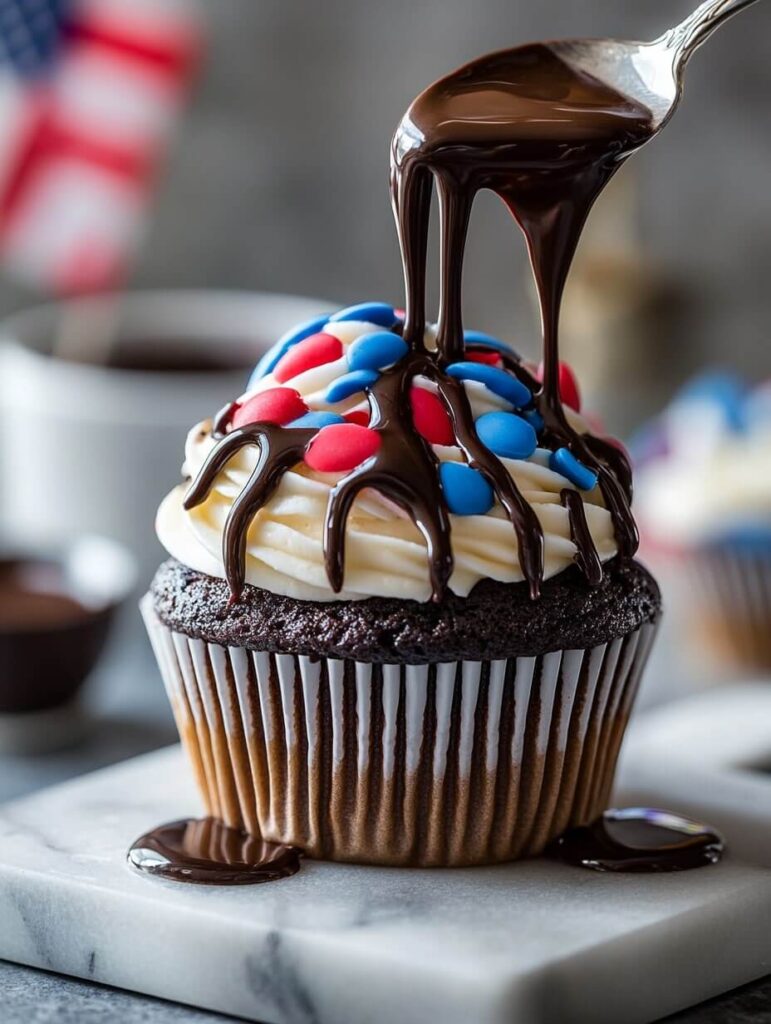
45,656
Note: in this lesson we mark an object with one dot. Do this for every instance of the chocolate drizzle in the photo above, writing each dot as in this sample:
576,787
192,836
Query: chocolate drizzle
546,138
639,840
207,852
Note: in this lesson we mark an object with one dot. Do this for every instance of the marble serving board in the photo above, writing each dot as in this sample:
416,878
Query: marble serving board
530,943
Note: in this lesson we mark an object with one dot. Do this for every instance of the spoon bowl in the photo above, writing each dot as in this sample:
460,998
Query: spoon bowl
650,73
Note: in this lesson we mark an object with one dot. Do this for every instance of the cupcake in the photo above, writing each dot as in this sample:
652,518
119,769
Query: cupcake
704,503
400,623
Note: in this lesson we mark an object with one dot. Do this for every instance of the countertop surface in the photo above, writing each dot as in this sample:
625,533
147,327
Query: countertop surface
128,715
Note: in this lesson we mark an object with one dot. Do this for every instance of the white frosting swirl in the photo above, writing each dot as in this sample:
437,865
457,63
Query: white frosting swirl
385,553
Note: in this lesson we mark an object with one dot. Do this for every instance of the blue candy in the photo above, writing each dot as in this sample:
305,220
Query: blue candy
498,381
506,434
466,491
282,346
379,313
376,351
317,420
349,384
534,418
566,464
480,338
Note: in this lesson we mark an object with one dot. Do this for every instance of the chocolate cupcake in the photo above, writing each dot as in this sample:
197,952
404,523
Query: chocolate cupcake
401,623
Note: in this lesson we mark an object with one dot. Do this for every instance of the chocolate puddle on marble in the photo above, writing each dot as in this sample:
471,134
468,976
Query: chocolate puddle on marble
546,138
204,851
639,840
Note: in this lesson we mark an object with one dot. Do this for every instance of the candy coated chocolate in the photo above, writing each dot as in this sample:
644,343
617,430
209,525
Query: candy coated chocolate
376,351
430,417
565,463
349,384
276,405
498,381
379,313
312,351
342,447
466,491
282,346
506,434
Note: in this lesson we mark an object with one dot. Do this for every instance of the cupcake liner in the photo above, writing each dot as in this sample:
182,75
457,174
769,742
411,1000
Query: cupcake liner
731,603
444,764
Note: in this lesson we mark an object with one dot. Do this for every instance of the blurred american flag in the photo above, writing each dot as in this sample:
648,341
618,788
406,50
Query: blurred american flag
89,90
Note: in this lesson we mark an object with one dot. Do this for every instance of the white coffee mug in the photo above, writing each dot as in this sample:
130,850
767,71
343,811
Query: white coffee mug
89,448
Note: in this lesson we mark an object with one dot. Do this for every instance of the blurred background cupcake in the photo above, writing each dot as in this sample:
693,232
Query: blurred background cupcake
704,505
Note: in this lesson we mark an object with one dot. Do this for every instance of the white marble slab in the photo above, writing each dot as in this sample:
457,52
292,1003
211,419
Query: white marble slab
532,943
708,755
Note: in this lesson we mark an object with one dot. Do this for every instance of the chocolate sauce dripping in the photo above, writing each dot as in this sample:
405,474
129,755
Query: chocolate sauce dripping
405,471
280,449
204,851
639,840
546,138
222,419
523,518
586,557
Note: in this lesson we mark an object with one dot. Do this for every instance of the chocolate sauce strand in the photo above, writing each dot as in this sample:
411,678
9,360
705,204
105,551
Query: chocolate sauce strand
411,199
586,557
546,138
215,462
615,459
206,852
404,470
280,449
521,515
222,419
454,212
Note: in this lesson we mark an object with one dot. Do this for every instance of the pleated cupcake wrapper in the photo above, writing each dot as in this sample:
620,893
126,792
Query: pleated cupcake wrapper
730,602
450,764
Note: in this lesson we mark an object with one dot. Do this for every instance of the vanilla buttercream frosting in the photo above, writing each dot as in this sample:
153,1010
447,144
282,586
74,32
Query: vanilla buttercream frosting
385,553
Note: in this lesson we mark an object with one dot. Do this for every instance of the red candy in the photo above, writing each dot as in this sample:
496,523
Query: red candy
313,351
568,386
359,416
276,405
488,358
341,447
431,418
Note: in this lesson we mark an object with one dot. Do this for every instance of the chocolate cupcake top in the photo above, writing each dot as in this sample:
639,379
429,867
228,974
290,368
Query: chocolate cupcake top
318,413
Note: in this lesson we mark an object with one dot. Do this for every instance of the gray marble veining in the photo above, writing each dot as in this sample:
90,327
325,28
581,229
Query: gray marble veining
534,941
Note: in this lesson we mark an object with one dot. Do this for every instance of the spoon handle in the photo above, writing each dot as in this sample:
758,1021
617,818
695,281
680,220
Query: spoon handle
688,36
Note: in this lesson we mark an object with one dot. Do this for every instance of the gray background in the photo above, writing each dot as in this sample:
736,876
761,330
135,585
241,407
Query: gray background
277,178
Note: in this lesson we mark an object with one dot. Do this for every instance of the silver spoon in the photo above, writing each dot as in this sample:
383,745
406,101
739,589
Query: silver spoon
651,73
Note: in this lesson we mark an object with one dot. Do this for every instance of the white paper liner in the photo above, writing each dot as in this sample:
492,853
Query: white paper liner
451,764
730,595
